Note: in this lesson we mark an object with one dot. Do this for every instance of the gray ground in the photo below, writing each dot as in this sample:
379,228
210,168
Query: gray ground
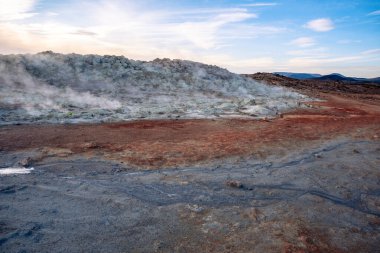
321,200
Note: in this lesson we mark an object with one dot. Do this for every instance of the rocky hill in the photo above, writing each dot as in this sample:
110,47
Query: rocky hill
51,87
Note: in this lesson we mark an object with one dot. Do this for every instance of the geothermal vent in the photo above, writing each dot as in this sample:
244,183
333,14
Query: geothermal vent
50,87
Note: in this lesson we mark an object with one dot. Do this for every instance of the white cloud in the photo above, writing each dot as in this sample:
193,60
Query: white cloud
249,31
311,61
125,27
203,34
310,52
51,14
374,13
246,65
16,9
303,42
200,11
259,62
372,52
333,62
320,25
258,4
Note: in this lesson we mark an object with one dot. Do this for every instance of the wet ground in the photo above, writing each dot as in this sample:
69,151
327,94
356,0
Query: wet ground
307,181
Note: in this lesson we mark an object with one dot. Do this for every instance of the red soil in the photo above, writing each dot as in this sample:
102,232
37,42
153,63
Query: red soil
172,143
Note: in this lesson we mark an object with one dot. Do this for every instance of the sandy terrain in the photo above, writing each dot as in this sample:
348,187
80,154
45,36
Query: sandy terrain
306,181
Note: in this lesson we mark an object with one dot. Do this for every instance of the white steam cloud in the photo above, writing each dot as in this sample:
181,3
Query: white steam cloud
19,88
49,87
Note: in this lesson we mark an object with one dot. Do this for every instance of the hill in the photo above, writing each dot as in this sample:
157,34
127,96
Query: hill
330,77
51,87
300,76
336,77
317,85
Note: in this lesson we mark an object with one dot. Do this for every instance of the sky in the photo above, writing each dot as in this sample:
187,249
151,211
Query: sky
244,36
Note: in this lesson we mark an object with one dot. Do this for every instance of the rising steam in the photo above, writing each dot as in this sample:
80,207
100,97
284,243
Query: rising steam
51,87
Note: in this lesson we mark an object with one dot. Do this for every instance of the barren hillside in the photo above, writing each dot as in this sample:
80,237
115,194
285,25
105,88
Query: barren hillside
56,88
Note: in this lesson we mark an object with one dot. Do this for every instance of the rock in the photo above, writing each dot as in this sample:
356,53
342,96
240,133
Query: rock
26,162
234,184
255,214
195,208
89,145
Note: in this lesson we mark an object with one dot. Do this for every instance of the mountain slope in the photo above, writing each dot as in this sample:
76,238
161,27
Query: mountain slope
336,77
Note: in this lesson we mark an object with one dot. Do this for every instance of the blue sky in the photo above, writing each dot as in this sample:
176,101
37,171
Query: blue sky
244,36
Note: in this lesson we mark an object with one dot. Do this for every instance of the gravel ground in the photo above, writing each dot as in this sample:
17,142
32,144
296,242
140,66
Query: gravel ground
325,199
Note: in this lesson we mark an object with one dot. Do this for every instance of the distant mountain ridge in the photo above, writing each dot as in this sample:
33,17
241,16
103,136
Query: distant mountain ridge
336,77
330,77
300,76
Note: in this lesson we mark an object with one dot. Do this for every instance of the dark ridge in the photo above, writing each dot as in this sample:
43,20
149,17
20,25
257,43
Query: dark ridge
338,86
330,77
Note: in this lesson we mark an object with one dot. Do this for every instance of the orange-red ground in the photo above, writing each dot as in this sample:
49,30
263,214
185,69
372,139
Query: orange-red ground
162,143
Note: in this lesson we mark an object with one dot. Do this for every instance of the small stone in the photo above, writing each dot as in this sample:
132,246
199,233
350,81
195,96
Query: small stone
255,214
355,230
89,145
234,184
158,245
195,208
26,162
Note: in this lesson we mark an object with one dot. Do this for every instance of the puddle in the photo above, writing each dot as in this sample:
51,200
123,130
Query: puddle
12,171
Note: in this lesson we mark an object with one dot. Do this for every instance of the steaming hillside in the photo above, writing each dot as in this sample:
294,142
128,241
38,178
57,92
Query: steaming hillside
50,87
